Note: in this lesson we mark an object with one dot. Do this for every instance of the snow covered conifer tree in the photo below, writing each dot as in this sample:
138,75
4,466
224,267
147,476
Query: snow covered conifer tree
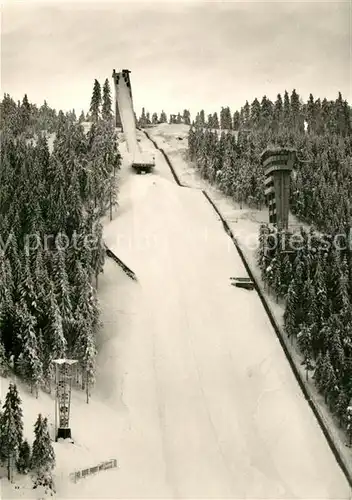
320,306
55,330
290,311
16,402
286,109
246,113
26,286
286,278
225,119
215,120
311,112
236,120
296,115
266,112
55,344
63,290
29,362
255,113
275,275
2,454
340,407
335,343
41,286
89,362
324,376
71,116
85,349
343,293
98,253
24,458
277,114
201,118
86,323
308,294
262,248
330,382
210,121
25,112
349,423
106,107
304,339
11,428
43,456
142,120
299,280
335,287
4,365
95,101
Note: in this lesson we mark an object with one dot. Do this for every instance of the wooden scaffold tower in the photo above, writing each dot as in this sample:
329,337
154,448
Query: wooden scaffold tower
63,379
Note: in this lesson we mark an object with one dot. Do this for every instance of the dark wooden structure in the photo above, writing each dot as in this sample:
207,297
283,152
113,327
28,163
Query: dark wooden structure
119,262
146,167
246,283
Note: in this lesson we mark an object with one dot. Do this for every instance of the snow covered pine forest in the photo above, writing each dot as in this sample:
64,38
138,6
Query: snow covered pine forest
60,176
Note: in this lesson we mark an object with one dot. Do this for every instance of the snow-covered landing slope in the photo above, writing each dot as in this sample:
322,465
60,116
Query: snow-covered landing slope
212,408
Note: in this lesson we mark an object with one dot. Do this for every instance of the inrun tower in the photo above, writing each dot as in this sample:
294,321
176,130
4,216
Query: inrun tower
125,74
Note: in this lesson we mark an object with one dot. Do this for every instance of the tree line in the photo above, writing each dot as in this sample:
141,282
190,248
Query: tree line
16,452
27,119
315,280
51,249
314,277
101,102
146,119
321,186
321,116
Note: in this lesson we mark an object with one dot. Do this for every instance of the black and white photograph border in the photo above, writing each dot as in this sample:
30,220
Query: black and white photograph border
176,250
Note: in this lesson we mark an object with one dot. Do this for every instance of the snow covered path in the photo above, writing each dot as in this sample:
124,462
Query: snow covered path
191,365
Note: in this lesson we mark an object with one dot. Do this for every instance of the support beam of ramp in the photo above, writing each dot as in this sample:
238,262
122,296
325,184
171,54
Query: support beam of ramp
119,262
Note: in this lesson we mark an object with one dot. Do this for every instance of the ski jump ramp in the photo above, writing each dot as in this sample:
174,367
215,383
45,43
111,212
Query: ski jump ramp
125,118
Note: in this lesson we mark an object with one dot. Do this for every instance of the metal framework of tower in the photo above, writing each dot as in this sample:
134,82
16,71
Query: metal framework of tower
278,164
125,74
63,379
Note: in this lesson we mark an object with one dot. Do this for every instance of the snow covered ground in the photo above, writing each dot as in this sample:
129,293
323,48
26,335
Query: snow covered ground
194,396
244,223
212,406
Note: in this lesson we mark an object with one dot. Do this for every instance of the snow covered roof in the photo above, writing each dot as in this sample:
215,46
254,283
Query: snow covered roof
63,361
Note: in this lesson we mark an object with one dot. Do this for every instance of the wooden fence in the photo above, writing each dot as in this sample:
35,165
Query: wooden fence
81,474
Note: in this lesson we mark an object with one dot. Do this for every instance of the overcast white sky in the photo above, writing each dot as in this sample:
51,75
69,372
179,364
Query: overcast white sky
185,54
